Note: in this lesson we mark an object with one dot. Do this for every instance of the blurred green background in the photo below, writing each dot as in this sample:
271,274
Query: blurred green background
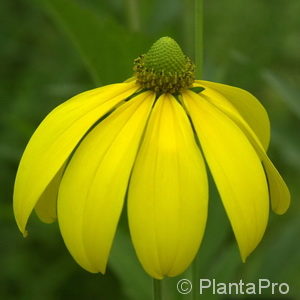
53,49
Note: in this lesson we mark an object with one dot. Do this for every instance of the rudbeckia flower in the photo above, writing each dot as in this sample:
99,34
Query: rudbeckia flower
150,140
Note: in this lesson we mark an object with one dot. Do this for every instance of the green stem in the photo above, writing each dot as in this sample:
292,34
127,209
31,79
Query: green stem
188,28
199,38
195,279
157,289
133,15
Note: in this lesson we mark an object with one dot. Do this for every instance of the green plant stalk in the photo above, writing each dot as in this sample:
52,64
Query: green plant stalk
195,279
188,28
133,15
157,289
198,8
198,49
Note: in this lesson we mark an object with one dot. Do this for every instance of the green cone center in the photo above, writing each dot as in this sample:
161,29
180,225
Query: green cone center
164,68
165,54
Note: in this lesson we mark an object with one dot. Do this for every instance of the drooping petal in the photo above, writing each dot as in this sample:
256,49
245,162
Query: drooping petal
94,185
279,192
247,105
236,169
46,207
168,192
55,139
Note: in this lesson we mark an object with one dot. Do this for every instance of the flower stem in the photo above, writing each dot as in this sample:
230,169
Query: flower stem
133,15
199,37
195,279
157,289
198,40
188,28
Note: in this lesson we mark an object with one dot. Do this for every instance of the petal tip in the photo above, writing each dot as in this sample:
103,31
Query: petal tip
22,226
281,210
281,206
244,258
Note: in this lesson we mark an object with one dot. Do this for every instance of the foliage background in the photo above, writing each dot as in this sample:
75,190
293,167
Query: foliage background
53,49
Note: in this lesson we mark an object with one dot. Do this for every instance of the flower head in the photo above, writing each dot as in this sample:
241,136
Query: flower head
164,69
148,138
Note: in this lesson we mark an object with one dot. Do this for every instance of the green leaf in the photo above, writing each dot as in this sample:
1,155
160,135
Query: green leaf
107,48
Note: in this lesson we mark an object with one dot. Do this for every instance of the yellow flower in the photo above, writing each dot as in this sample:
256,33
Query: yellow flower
146,140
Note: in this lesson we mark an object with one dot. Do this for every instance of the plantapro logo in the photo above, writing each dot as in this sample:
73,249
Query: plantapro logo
242,288
211,286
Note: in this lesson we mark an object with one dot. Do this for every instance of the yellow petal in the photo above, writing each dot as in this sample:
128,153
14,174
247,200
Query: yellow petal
94,185
247,105
236,169
55,139
46,207
168,192
279,192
